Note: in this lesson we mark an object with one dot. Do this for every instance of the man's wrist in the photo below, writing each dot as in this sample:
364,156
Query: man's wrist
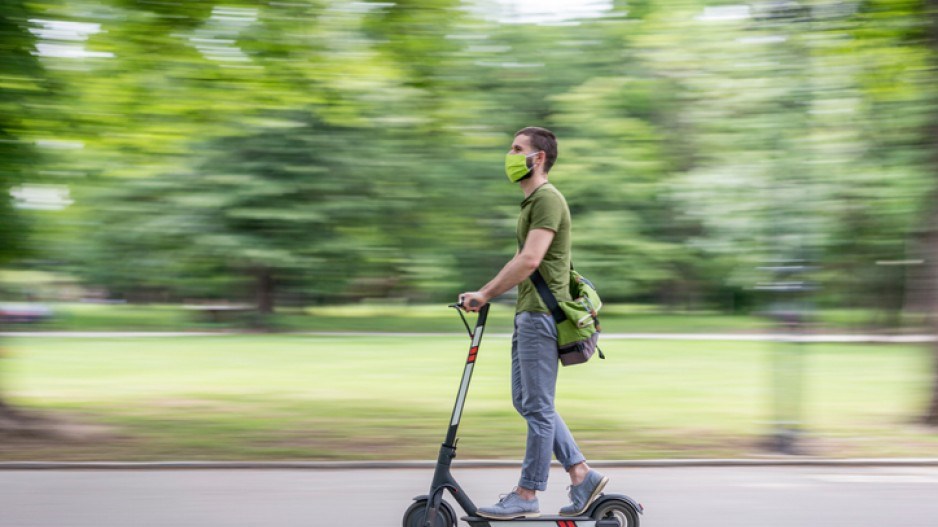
486,294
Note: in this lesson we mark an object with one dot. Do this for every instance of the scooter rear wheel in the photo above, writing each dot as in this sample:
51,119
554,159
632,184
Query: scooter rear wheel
618,510
414,515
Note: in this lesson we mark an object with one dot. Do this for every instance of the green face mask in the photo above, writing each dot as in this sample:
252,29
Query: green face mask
516,166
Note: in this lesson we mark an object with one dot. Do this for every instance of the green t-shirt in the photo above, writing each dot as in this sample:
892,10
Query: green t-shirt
546,208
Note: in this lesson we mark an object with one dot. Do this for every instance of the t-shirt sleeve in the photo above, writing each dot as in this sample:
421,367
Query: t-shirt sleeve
546,212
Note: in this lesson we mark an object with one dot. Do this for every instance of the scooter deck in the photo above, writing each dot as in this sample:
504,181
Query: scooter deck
539,521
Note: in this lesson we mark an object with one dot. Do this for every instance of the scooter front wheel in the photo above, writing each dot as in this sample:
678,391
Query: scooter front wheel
415,514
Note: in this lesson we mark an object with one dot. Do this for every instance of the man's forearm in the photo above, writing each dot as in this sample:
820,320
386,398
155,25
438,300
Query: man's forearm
515,271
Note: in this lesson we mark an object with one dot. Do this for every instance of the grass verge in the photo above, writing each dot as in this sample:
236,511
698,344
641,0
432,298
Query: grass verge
272,397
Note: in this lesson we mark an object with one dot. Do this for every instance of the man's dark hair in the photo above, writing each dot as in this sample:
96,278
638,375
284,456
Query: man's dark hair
542,139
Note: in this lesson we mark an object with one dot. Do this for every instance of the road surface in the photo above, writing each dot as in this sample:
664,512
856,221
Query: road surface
784,496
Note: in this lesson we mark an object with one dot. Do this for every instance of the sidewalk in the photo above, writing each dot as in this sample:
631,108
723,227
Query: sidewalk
752,337
768,461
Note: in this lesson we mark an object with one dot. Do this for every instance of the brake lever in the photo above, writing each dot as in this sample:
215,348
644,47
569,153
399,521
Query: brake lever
459,309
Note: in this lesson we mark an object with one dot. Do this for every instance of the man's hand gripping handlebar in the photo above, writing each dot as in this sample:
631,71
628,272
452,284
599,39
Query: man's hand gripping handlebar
472,301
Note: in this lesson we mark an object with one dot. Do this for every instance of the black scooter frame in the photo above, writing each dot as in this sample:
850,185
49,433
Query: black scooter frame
443,479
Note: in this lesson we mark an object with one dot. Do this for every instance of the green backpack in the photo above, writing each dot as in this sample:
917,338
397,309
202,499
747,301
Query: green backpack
577,320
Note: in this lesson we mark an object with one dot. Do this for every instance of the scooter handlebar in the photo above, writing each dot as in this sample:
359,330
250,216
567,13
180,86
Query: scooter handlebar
462,305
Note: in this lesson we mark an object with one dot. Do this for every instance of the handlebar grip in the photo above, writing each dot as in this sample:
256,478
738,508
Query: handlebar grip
472,303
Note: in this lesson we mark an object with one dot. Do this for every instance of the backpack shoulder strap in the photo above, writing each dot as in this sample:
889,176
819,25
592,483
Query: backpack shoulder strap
547,296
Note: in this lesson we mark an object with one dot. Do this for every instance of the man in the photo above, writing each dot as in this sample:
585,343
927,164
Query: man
544,241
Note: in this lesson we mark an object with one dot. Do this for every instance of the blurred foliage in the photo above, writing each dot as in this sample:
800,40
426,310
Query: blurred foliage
320,151
22,84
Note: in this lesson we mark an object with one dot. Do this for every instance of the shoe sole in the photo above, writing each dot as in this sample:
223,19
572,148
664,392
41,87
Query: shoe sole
510,517
596,492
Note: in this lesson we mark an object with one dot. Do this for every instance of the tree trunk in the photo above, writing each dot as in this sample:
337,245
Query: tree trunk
6,412
931,238
264,290
931,252
13,420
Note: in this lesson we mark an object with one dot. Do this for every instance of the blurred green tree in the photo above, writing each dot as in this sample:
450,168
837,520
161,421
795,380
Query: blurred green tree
23,84
930,133
697,141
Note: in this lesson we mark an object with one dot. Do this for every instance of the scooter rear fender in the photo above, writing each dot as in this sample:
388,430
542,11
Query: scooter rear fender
614,497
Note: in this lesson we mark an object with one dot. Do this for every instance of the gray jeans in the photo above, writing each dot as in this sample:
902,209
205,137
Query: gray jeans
534,366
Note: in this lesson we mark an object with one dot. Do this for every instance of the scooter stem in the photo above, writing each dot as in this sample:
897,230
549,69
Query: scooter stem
466,376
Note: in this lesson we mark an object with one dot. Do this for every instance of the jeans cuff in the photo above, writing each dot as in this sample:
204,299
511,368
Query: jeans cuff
532,485
574,461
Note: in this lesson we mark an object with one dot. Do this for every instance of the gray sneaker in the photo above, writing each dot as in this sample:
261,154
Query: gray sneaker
511,506
585,493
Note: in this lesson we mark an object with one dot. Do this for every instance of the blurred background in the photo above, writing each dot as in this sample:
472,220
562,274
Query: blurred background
272,173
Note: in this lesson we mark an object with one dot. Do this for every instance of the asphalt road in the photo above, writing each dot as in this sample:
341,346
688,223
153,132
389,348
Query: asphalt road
677,496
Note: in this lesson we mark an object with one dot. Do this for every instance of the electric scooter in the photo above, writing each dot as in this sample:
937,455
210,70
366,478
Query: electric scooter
431,510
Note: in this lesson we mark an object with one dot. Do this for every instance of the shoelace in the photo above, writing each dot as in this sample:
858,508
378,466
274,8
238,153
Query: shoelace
502,498
570,491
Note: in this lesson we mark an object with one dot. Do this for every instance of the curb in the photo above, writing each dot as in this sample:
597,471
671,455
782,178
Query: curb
427,464
743,337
